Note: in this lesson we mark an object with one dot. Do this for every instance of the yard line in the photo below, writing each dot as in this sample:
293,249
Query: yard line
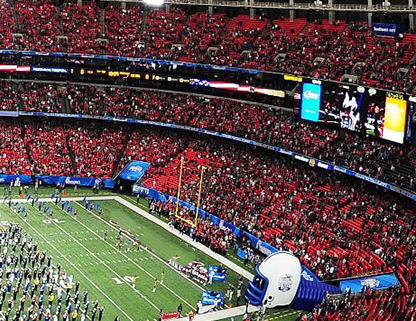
185,238
141,268
70,263
147,250
108,267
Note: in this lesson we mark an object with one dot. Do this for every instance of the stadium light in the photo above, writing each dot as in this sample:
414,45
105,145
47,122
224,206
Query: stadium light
154,3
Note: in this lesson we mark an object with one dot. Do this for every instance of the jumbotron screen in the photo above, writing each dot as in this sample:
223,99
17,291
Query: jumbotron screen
365,110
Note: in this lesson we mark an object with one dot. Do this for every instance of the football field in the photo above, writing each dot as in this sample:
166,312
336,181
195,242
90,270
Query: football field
121,279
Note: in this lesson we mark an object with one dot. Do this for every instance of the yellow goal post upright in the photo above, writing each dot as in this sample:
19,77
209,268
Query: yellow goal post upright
191,222
198,204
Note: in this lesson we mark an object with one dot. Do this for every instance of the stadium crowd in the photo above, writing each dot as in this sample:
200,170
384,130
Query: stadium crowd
50,148
353,232
278,127
280,45
338,227
390,304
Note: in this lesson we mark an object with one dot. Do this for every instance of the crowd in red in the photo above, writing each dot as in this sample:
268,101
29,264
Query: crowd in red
258,193
386,161
95,149
336,225
47,146
319,49
255,193
13,159
37,26
123,29
50,148
392,304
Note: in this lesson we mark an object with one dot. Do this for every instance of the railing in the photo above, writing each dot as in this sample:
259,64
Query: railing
288,6
171,63
306,159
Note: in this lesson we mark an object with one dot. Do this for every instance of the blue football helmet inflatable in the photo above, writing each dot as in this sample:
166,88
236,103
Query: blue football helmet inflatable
281,280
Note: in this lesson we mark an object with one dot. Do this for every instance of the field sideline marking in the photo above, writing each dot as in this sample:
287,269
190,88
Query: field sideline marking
128,258
70,263
236,268
231,265
105,264
146,249
72,300
109,268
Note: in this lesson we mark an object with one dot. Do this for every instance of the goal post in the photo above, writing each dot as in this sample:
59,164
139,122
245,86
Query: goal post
193,223
199,196
178,195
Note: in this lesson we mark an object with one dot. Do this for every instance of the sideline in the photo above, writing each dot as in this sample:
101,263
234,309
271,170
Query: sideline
74,266
228,263
126,257
145,249
231,265
223,314
217,315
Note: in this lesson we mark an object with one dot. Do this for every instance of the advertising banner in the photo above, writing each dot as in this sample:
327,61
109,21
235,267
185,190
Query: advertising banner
237,87
14,68
52,70
266,248
395,119
372,282
134,170
311,101
149,192
6,113
7,179
79,181
54,180
387,29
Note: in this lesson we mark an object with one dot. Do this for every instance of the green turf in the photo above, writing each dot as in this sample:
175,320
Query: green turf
79,246
283,314
47,191
106,272
230,255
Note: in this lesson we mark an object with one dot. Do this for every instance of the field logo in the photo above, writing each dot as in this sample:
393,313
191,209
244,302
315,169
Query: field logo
370,283
310,95
136,169
68,181
306,276
285,283
311,101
